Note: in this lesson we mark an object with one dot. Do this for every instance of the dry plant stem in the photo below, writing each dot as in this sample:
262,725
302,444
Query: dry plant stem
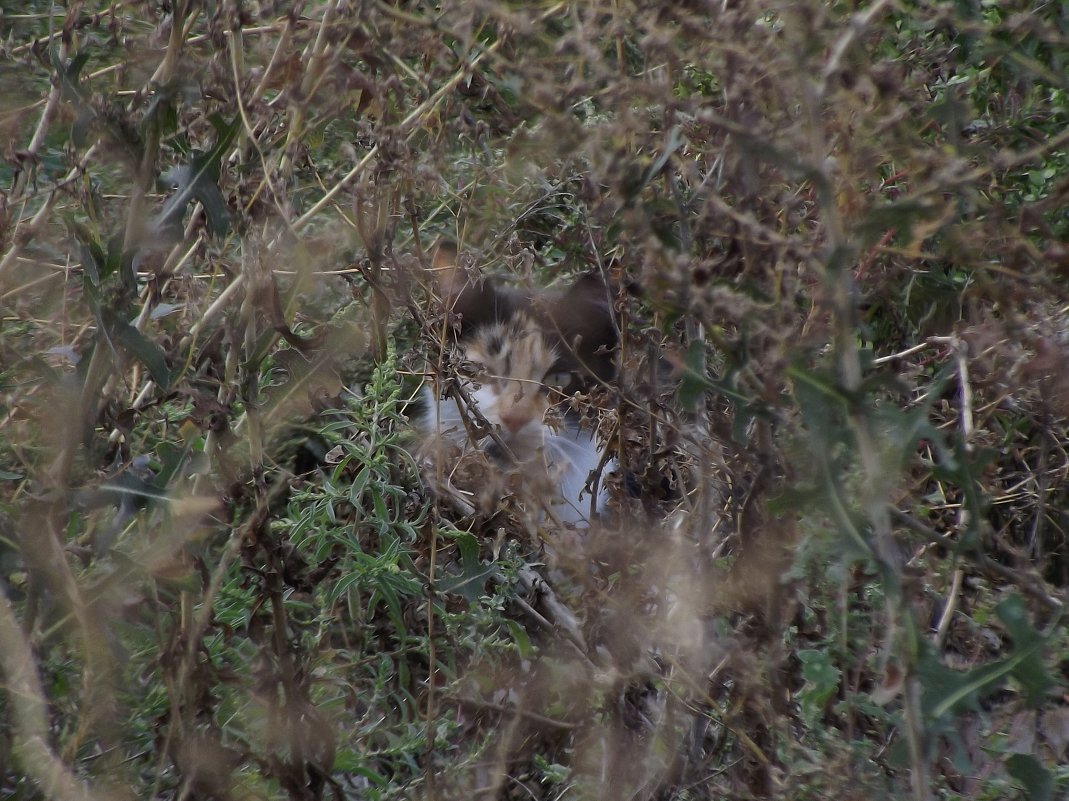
176,260
514,710
544,622
838,277
960,350
1029,585
444,486
28,716
49,563
314,68
250,315
89,400
36,283
966,416
563,619
905,353
194,627
1042,484
432,663
498,761
217,307
313,59
15,51
859,23
180,30
417,115
250,134
22,236
950,608
41,131
280,47
471,413
135,218
911,708
212,444
593,480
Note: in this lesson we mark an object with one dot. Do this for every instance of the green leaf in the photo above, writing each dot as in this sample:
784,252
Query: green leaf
198,180
1038,782
134,342
947,691
161,113
965,468
356,489
1028,668
99,259
519,636
120,261
694,381
674,143
172,458
822,681
385,593
67,77
127,484
823,404
344,584
473,573
147,352
85,115
91,252
348,761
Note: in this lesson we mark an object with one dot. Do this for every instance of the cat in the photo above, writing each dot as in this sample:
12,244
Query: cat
531,353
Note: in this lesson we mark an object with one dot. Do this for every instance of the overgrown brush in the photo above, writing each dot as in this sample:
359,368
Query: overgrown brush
836,561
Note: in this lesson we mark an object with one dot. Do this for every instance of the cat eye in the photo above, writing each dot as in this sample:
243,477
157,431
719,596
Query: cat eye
558,379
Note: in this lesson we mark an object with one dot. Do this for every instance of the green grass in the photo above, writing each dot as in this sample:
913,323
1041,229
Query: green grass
836,565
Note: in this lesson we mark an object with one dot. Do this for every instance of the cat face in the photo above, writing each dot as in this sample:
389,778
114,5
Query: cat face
497,324
523,353
514,360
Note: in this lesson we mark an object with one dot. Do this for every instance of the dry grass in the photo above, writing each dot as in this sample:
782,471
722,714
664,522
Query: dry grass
837,561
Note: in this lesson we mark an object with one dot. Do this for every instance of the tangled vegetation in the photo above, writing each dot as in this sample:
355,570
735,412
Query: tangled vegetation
835,564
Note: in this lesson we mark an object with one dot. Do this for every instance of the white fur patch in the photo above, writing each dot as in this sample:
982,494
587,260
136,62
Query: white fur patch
567,457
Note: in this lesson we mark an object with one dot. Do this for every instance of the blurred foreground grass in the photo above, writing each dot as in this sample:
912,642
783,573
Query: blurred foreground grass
837,563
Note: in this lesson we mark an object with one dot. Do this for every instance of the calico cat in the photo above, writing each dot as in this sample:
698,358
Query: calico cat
531,353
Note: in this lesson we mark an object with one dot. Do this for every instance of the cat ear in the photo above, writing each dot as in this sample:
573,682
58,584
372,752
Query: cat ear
583,315
449,278
473,298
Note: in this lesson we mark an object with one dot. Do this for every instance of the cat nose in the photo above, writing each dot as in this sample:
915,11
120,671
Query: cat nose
514,419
